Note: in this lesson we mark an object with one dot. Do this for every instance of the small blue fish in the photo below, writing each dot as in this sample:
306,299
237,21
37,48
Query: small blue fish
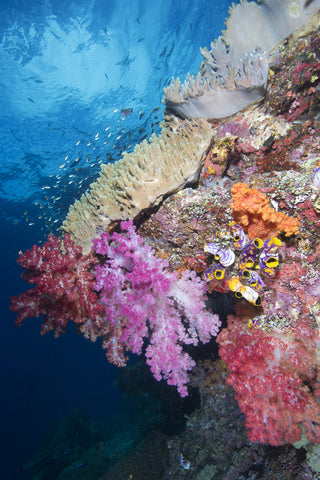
125,112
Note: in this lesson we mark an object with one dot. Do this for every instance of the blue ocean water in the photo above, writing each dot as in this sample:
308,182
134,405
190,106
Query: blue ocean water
80,82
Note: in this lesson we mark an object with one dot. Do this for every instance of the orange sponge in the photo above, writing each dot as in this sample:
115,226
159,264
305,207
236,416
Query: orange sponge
252,210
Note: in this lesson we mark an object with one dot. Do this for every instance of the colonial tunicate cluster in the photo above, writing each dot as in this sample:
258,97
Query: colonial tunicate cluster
254,260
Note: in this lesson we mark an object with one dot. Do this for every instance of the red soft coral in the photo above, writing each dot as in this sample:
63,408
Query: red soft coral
275,379
64,285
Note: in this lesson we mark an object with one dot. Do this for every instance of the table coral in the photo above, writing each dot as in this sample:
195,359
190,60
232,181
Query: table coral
251,209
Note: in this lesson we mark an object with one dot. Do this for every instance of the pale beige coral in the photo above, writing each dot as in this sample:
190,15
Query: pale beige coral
140,179
223,87
264,24
234,71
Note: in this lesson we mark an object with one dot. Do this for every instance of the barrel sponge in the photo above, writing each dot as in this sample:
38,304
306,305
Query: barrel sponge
140,179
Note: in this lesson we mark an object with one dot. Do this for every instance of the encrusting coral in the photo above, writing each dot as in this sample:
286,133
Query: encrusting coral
234,72
139,180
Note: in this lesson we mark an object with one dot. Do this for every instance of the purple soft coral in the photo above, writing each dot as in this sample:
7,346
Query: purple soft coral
144,301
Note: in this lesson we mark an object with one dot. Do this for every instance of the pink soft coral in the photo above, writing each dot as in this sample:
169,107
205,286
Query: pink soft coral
146,303
139,301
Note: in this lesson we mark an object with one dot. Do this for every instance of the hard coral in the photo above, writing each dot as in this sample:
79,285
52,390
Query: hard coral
252,210
275,389
64,285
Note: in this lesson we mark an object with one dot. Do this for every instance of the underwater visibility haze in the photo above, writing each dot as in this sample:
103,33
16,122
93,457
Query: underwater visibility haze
80,82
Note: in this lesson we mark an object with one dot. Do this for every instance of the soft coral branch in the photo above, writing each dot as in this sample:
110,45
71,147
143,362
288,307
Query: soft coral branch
130,301
64,285
146,303
275,379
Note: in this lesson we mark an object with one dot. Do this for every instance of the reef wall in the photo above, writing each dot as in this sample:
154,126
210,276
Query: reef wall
252,228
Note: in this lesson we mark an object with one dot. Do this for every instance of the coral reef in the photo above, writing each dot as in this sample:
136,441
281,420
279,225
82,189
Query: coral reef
271,154
275,391
139,180
143,300
139,300
142,178
215,442
251,209
234,72
255,174
64,286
